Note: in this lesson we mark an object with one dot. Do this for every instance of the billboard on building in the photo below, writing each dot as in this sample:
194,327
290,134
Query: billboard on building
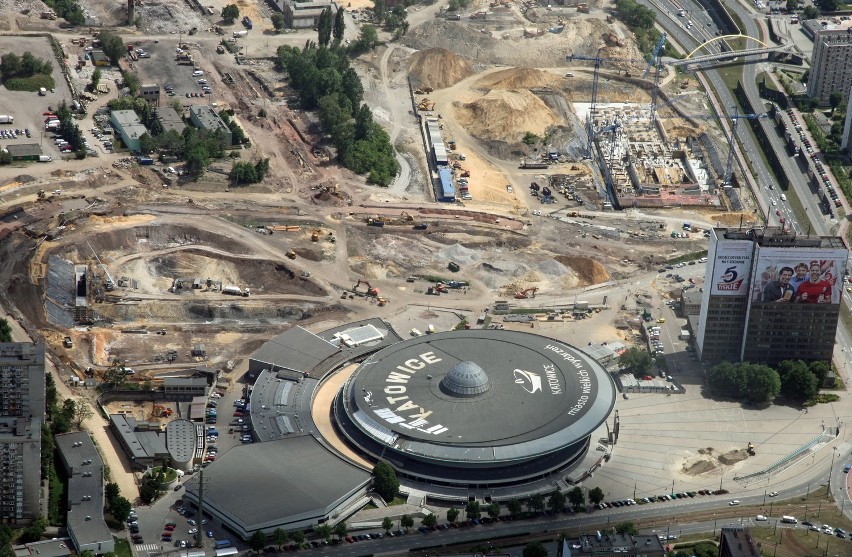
799,275
731,268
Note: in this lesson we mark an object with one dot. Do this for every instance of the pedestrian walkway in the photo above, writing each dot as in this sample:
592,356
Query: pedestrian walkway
148,547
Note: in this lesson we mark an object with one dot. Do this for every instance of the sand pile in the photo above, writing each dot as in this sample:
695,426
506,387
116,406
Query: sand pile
438,68
505,116
457,253
588,270
520,78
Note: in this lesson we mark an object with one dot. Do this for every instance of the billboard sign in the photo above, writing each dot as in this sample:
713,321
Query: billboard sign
799,275
731,268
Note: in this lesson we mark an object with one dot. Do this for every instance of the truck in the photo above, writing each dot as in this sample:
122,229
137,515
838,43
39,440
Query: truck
421,226
6,119
235,291
42,91
145,161
220,544
238,34
789,520
44,158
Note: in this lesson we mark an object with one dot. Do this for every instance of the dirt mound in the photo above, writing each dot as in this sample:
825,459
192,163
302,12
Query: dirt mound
588,270
733,457
519,78
698,468
505,116
438,68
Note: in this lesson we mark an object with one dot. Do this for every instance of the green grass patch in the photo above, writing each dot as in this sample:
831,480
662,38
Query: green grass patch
688,257
32,83
370,506
122,548
397,501
823,398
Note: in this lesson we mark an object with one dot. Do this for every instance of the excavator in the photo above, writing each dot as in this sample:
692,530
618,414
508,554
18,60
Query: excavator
374,292
524,294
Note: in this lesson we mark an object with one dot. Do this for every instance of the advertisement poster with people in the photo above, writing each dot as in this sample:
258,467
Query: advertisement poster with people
799,276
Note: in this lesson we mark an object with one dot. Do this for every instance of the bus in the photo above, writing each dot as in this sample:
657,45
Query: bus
223,543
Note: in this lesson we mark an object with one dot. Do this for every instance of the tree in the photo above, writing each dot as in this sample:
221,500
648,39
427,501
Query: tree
116,375
5,331
387,524
536,502
596,495
257,541
379,9
324,28
834,100
35,531
636,360
798,383
535,549
298,538
472,510
828,5
363,122
792,5
452,515
119,508
811,12
726,379
113,46
762,383
197,160
493,510
367,40
96,79
340,530
82,412
147,144
385,482
820,369
577,497
429,520
10,65
280,537
339,26
278,21
323,531
111,491
556,501
230,13
406,521
515,508
627,527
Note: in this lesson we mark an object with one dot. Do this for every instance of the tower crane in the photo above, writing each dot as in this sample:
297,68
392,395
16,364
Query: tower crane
736,117
109,285
656,62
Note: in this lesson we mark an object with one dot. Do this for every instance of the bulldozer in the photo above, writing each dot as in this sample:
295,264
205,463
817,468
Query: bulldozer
373,292
524,294
382,301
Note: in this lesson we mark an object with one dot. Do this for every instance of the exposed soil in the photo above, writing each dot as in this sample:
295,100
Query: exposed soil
505,115
438,68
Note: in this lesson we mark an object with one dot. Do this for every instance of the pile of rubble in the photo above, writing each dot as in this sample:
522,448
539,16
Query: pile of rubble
123,163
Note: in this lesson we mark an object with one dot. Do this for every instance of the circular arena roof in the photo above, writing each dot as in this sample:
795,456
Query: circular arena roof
484,397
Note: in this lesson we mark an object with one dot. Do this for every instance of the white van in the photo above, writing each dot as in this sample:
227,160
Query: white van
789,519
783,197
197,73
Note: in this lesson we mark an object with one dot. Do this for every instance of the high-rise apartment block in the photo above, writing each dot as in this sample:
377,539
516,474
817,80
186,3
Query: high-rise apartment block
21,417
831,68
770,295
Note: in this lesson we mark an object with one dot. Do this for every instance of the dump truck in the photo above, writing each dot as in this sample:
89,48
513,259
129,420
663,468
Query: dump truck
238,34
235,291
453,266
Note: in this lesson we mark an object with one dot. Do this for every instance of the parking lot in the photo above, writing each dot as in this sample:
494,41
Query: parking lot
27,107
163,69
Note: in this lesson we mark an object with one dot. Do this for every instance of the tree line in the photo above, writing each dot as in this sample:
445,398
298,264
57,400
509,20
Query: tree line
640,20
795,380
324,81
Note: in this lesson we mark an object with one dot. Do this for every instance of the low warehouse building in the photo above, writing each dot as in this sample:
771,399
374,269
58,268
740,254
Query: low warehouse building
25,151
150,92
170,119
205,118
303,15
129,128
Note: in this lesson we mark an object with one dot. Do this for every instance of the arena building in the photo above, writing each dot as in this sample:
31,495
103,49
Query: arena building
475,409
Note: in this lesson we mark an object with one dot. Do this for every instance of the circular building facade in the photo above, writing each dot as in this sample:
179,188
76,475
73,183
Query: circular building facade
476,408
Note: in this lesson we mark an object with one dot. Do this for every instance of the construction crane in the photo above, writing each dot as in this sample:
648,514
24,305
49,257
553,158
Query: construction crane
656,62
590,119
524,294
736,117
109,285
370,290
612,129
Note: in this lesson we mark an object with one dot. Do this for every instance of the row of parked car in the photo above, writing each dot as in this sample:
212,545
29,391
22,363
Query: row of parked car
13,134
659,498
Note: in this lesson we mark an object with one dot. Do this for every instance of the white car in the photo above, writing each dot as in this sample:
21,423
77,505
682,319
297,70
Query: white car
193,530
734,502
773,494
202,81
